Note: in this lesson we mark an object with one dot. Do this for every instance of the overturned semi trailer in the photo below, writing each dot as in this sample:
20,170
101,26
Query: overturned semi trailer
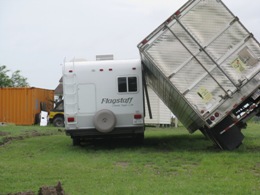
204,64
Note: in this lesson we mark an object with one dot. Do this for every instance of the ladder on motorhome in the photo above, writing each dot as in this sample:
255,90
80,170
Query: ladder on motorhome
70,92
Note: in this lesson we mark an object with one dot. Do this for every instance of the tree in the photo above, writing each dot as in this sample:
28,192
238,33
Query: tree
16,80
5,81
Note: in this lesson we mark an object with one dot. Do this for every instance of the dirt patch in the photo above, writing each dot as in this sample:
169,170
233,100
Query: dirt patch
45,190
2,133
23,193
7,140
27,134
122,164
256,169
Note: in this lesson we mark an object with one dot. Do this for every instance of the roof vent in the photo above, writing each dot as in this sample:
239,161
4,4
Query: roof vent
105,57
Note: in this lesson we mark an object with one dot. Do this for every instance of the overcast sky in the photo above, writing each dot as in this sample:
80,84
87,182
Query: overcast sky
36,35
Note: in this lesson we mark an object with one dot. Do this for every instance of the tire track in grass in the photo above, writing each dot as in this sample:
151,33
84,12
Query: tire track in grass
6,139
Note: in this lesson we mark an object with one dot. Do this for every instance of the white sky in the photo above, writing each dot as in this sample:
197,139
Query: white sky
36,35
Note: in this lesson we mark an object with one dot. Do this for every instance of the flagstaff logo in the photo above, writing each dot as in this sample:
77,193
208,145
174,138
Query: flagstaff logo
117,101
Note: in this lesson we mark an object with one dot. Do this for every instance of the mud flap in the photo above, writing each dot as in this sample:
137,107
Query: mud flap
227,140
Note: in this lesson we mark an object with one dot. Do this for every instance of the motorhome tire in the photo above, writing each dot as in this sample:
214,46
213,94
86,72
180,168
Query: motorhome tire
139,138
75,141
104,121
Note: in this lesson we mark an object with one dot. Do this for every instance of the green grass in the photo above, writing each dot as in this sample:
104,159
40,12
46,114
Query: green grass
170,161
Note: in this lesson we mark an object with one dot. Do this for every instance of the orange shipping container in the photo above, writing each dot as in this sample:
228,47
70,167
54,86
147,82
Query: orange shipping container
21,105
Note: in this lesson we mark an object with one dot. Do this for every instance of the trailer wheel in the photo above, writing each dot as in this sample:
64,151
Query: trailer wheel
104,121
58,121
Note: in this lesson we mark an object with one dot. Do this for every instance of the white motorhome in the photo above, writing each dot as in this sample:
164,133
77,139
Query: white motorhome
103,98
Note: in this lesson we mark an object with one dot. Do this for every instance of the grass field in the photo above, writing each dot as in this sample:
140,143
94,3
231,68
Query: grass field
171,161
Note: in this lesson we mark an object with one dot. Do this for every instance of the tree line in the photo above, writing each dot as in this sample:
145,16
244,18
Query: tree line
14,80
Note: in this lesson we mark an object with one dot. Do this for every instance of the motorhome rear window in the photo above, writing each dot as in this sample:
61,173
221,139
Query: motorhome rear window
132,84
122,86
127,84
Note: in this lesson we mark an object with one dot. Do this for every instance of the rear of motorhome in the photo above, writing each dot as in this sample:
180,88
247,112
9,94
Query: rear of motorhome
103,98
204,64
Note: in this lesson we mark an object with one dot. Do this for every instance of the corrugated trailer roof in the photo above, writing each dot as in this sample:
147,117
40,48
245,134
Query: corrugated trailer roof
20,105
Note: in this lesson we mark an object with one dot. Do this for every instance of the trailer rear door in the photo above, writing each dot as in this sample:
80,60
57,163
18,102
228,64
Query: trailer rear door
205,52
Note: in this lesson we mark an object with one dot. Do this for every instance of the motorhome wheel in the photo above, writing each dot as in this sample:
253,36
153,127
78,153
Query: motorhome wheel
104,121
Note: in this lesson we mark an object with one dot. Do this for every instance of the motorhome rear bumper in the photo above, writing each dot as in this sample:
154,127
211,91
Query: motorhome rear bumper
92,133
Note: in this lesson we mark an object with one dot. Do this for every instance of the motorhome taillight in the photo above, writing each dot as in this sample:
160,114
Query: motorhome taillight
71,119
137,116
101,69
70,71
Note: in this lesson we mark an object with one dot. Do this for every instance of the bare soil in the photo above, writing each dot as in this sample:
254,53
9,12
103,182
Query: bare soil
4,133
27,134
44,190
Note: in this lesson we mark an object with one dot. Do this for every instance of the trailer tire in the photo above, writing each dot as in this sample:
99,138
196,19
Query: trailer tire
104,121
